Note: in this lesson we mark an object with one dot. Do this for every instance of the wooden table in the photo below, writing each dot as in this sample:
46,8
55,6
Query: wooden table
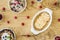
21,26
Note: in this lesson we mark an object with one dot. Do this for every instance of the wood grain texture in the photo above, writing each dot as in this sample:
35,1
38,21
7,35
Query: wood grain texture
31,10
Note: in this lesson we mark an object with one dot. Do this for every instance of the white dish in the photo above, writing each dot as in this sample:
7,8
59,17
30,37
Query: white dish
33,30
14,36
20,9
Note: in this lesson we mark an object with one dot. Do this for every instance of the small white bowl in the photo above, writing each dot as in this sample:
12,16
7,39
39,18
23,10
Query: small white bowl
10,30
20,10
33,30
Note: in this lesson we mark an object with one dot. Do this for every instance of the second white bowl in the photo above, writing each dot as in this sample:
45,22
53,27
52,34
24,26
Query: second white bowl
33,30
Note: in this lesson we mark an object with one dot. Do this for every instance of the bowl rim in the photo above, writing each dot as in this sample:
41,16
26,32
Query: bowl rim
32,23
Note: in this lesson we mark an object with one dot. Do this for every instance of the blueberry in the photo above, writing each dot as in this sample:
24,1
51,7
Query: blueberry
5,39
13,6
22,5
5,36
38,0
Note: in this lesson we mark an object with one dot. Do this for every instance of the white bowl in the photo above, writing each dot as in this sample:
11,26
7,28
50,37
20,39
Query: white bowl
33,30
10,30
20,10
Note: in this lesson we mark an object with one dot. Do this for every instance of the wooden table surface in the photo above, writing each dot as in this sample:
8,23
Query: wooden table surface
22,25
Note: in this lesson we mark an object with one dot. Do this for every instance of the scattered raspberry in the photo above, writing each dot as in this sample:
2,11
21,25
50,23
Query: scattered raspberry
40,6
55,3
3,9
57,38
59,20
32,2
22,24
28,17
15,17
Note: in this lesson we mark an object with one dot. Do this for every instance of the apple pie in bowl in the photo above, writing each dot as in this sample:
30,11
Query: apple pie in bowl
41,21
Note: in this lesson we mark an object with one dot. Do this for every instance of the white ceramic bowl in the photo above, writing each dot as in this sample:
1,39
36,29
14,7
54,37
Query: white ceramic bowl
39,1
20,10
33,30
10,30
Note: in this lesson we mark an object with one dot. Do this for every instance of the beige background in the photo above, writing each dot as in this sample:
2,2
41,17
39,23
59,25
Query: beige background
15,24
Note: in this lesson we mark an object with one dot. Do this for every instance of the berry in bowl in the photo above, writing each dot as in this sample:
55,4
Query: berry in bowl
7,34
